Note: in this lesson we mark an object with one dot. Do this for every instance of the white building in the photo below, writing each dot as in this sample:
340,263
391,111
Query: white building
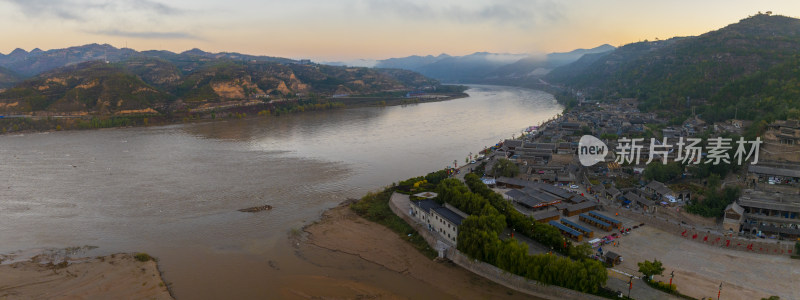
441,219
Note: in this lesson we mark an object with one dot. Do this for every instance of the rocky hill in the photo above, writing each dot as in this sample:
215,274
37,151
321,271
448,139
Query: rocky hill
162,81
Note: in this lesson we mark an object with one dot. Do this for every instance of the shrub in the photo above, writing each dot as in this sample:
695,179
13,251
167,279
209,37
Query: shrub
143,257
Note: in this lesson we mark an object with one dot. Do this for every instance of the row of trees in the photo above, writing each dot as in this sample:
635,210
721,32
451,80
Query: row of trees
663,172
526,225
479,238
715,202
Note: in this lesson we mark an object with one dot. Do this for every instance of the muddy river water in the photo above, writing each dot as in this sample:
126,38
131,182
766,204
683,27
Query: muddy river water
174,191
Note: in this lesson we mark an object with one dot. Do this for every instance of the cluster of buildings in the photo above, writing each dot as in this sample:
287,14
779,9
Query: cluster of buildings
770,205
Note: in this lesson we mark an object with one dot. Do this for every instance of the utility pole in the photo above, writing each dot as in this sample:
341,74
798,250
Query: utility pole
671,275
630,286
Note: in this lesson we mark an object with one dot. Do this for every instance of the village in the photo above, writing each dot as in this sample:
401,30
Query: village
737,230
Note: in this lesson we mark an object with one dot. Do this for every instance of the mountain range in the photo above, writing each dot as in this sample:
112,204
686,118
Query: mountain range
480,67
748,69
101,79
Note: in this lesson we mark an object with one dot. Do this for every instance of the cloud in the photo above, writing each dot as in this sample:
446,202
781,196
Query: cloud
160,8
43,8
85,10
149,34
522,13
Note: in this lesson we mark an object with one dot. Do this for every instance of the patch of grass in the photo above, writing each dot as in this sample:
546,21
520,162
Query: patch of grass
667,288
610,294
295,233
143,257
375,207
60,265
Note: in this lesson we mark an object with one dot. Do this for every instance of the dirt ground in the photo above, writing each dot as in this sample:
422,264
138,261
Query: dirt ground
118,276
699,268
340,229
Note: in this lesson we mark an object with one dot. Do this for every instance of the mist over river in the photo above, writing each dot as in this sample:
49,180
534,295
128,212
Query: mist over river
174,191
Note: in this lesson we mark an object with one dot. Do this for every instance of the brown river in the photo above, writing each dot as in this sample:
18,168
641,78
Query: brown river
174,191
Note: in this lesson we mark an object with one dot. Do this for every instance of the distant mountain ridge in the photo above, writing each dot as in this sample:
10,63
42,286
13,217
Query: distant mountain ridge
485,67
124,81
36,61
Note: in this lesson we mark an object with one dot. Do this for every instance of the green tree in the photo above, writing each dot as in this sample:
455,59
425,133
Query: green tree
713,181
649,268
506,168
661,172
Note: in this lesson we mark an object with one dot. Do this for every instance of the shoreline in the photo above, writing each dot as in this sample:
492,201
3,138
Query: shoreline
245,112
340,229
115,276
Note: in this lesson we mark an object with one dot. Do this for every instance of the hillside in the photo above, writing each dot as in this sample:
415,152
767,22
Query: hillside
413,63
682,72
538,66
772,94
7,78
164,82
87,87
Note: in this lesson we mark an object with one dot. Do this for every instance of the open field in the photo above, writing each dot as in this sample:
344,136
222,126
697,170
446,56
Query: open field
700,268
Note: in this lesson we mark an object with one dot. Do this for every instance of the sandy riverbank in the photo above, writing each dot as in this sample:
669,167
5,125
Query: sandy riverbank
117,276
341,230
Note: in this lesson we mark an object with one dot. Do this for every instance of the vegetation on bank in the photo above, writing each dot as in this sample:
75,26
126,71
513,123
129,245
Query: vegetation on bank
375,207
143,257
289,106
480,233
479,238
24,124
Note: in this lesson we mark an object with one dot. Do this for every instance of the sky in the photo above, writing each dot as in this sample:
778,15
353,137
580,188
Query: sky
331,30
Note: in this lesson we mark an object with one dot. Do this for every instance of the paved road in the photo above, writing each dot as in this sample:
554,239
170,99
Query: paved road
619,282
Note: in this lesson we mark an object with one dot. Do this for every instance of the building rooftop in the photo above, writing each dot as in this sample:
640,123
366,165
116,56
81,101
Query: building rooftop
659,187
512,143
775,169
604,218
425,205
545,214
428,195
765,200
448,214
638,199
596,220
573,232
612,255
576,226
582,205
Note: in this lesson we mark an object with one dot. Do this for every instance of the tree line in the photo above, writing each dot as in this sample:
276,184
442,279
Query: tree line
479,238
